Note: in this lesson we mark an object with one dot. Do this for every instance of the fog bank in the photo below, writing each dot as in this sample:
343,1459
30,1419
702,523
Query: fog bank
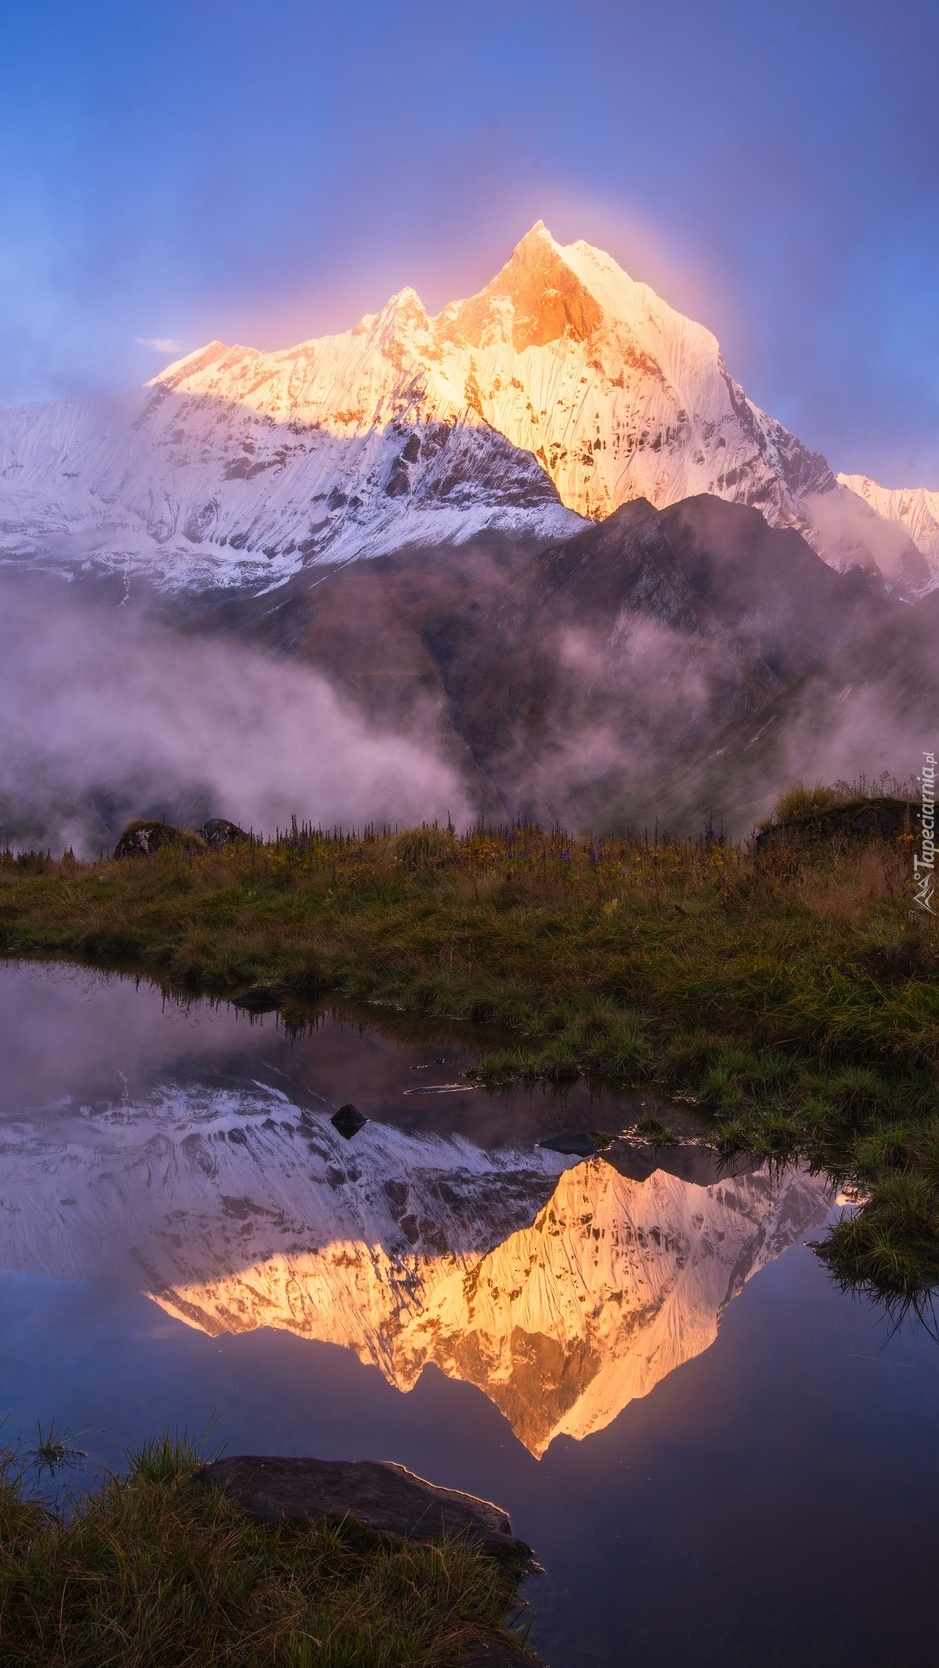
106,717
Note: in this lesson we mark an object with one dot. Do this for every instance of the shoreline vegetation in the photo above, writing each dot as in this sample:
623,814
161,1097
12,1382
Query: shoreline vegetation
787,989
157,1569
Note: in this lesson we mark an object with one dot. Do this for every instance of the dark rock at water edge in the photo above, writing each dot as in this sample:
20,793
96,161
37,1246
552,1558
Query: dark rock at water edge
260,999
384,1497
146,835
348,1121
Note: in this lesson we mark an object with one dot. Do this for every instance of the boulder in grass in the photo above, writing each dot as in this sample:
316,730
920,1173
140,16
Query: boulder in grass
382,1496
146,835
219,832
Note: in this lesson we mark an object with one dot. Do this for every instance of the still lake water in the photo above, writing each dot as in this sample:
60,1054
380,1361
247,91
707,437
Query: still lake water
718,1458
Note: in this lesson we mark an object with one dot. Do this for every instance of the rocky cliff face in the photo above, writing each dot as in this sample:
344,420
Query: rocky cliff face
561,1289
562,391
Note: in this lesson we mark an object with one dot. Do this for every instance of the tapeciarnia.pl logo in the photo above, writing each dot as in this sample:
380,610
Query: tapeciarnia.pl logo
924,865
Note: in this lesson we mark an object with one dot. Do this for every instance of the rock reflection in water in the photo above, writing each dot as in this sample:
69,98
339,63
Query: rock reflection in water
562,1289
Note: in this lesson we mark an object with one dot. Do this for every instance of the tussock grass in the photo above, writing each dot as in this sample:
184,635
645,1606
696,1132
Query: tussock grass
789,991
157,1571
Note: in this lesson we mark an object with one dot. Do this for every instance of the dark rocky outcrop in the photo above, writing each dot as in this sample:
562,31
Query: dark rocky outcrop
690,1161
384,1497
146,835
218,832
768,586
880,817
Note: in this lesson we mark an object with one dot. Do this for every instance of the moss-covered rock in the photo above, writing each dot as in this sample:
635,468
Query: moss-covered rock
219,831
146,835
881,817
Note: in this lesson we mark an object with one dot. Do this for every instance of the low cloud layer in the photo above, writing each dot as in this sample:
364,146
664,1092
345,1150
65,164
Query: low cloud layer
106,718
160,344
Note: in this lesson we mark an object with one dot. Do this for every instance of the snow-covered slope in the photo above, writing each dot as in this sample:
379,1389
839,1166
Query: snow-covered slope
561,391
561,1289
914,508
193,482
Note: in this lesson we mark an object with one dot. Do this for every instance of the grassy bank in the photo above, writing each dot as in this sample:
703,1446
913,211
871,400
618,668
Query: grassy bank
789,994
156,1571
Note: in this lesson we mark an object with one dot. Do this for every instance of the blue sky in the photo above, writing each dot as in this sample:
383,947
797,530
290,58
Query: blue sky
185,169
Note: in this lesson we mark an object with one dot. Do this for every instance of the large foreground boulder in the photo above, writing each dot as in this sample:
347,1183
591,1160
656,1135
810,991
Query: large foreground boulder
145,835
385,1497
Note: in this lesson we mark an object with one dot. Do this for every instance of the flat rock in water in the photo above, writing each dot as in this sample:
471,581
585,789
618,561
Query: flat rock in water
578,1145
385,1497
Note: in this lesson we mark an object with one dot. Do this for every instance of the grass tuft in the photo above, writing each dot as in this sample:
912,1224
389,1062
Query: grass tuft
157,1571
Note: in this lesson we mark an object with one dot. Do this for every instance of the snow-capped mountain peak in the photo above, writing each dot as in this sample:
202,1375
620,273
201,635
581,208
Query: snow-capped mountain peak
562,390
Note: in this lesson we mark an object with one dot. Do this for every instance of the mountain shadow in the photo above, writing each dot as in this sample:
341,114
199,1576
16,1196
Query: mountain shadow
565,681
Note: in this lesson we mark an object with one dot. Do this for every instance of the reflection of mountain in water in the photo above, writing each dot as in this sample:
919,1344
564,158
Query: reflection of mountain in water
561,1289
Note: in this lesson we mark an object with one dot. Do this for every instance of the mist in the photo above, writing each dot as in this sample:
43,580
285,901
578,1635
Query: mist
107,717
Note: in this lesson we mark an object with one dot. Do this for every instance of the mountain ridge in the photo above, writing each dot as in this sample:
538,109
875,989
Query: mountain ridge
561,391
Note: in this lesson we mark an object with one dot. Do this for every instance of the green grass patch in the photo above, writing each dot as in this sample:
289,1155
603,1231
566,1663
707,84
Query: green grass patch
157,1571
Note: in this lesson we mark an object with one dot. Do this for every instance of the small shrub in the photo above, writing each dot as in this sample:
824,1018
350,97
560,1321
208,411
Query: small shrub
427,847
890,1248
559,1060
653,1129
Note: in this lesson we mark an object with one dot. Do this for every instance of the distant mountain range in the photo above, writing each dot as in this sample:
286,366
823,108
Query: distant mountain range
560,392
544,530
